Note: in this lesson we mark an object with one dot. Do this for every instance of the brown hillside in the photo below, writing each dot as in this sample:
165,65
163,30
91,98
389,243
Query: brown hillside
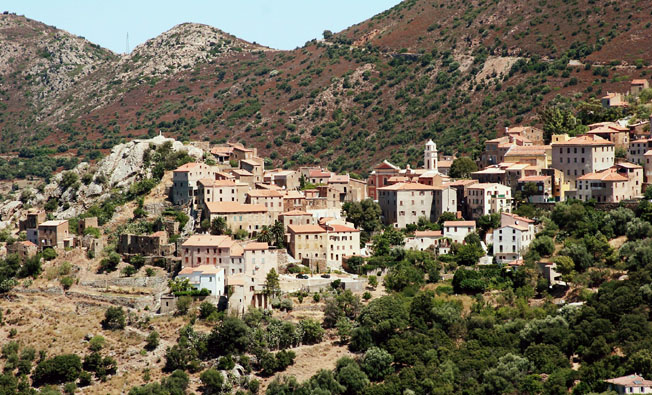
456,72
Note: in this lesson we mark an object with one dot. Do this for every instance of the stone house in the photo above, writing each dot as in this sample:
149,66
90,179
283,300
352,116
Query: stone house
488,198
24,249
248,217
458,230
54,234
184,182
582,155
405,203
155,244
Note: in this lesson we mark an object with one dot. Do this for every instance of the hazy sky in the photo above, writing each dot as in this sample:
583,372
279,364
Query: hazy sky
282,24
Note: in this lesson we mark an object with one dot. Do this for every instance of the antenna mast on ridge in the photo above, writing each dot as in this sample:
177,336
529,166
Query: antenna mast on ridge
127,44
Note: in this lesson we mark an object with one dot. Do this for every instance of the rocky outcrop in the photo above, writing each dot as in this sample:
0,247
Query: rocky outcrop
125,164
119,170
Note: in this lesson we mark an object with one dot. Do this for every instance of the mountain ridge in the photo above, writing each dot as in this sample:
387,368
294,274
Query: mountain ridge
455,72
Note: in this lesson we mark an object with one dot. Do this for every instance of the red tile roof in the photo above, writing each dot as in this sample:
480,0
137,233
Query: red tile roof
590,139
306,229
428,233
460,223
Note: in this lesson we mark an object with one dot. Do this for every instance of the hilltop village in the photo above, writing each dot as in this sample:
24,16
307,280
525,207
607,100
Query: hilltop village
216,224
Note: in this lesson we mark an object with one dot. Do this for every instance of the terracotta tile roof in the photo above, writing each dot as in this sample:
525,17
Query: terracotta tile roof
27,243
528,150
339,178
648,152
295,213
498,140
533,178
341,228
462,182
466,224
386,165
515,226
239,147
222,151
306,229
490,170
444,163
208,182
629,165
590,139
186,167
487,185
608,130
265,193
428,233
160,233
236,250
203,269
606,175
294,195
253,161
409,186
234,207
639,82
517,262
208,241
256,246
633,380
319,174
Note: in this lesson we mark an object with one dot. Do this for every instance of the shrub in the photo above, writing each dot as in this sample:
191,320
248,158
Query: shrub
49,254
312,331
110,263
212,381
183,304
66,282
152,341
58,370
206,309
114,318
96,343
129,270
377,363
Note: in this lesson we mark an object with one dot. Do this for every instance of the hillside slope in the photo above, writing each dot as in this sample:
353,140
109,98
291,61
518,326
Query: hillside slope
456,72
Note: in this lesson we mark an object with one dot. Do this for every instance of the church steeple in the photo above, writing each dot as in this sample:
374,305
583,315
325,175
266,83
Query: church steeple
430,156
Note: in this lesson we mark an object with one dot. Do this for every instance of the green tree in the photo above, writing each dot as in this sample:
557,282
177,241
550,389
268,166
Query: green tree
462,167
272,283
344,328
557,119
377,363
218,226
114,318
183,304
312,331
212,382
57,370
152,341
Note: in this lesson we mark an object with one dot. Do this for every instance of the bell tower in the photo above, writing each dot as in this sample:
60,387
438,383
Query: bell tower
430,156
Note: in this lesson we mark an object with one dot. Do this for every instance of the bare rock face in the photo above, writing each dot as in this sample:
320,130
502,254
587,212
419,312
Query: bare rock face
119,170
125,164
